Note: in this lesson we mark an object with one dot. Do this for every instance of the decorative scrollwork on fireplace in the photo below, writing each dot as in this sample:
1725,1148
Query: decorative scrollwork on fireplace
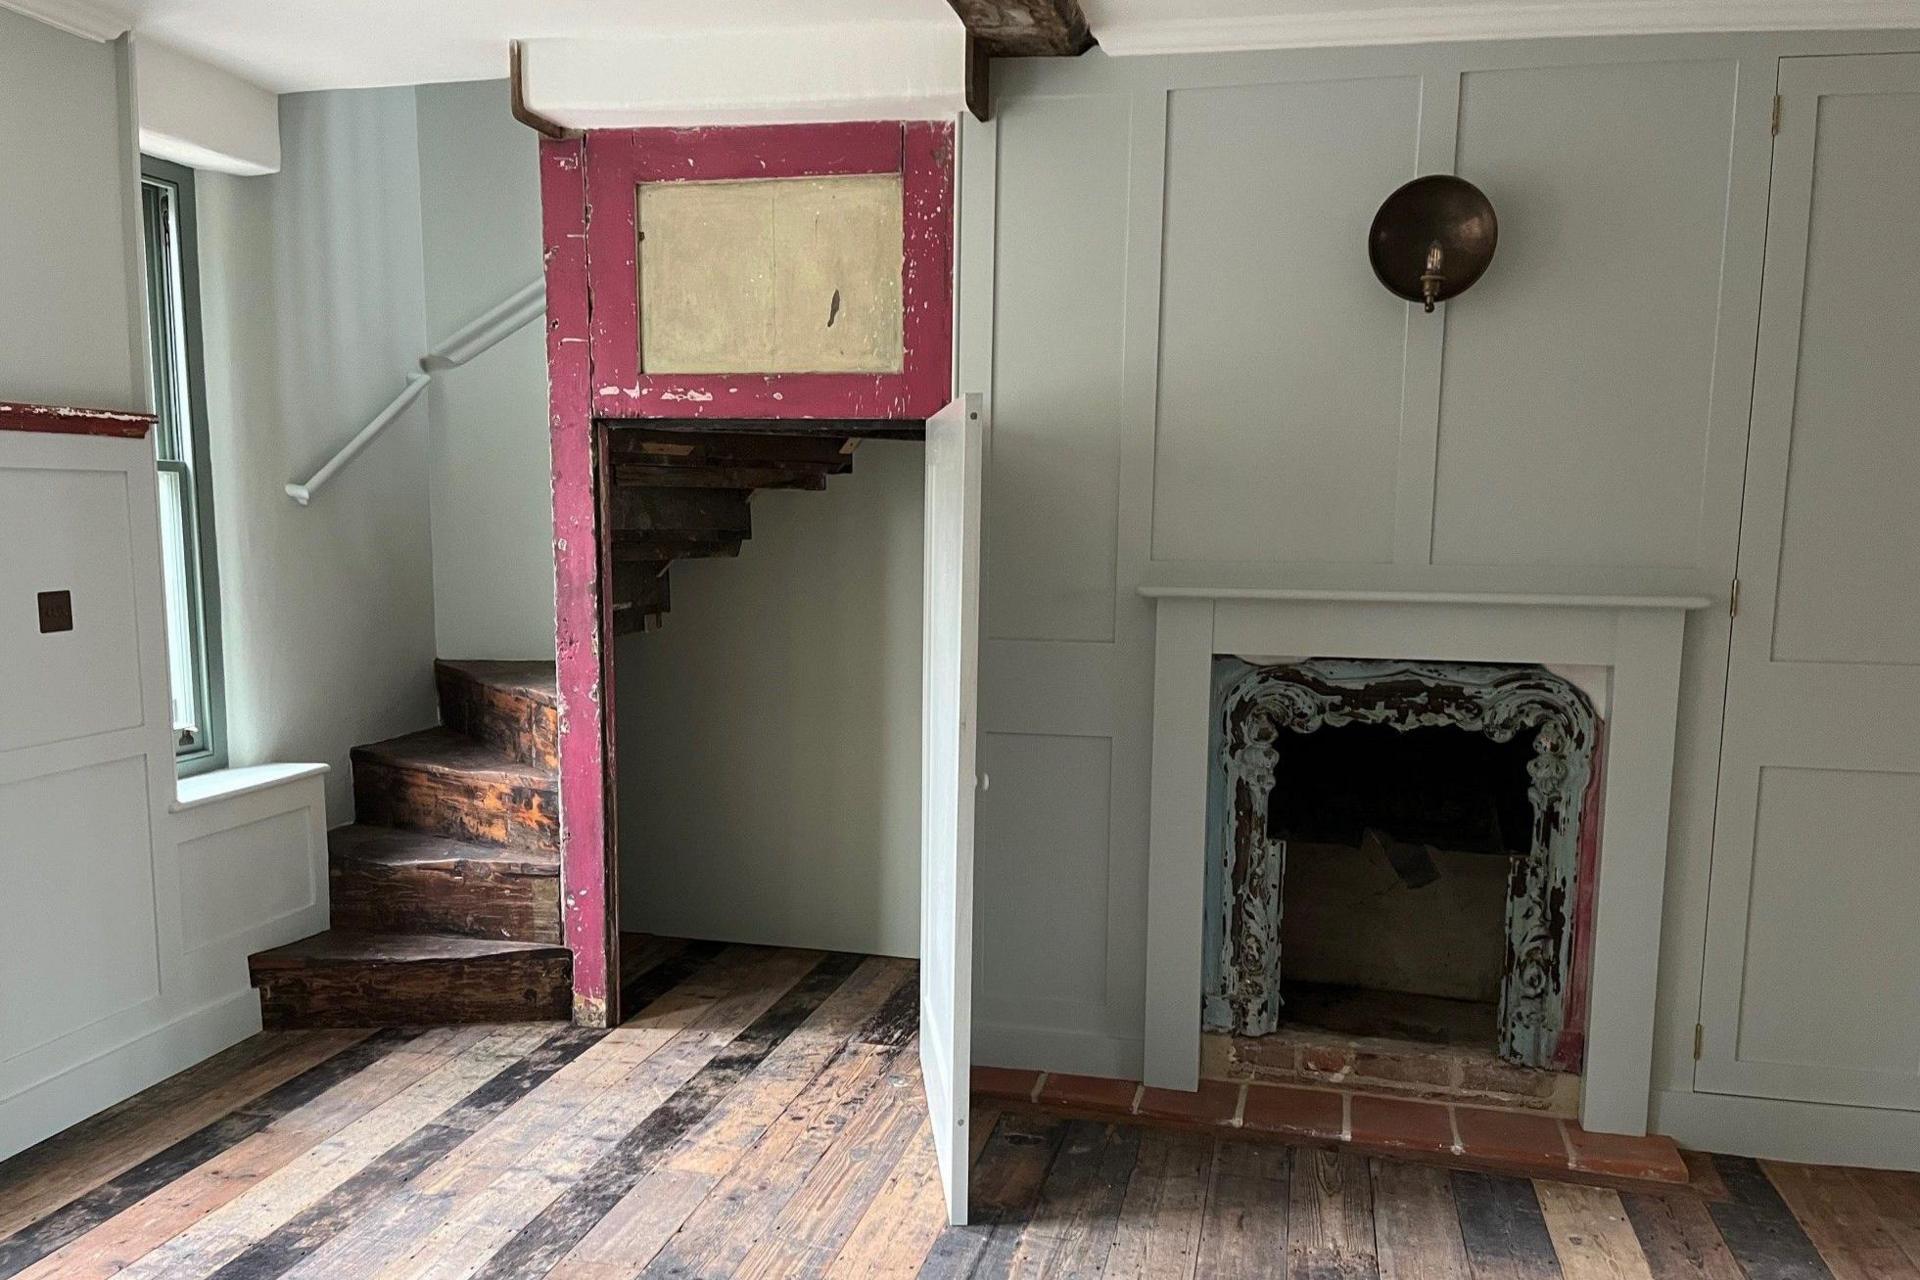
1538,983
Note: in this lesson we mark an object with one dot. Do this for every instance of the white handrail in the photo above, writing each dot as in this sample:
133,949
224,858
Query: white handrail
482,333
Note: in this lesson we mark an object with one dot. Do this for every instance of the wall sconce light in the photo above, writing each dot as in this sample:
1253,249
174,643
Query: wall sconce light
1433,238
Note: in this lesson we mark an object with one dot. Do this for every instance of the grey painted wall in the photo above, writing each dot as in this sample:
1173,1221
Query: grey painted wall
492,508
1190,363
311,288
71,315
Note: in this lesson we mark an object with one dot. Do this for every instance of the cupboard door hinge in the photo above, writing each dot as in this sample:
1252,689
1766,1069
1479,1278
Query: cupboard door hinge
1733,599
1699,1040
1776,115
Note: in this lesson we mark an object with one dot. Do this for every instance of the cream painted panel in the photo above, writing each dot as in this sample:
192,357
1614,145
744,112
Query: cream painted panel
1280,355
239,879
1060,277
1044,829
1849,544
78,938
784,275
67,531
1577,383
1808,999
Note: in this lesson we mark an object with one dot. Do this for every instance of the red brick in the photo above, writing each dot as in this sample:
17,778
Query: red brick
1405,1068
1305,1113
1214,1103
1652,1158
1323,1060
1398,1124
1091,1093
1519,1138
1003,1082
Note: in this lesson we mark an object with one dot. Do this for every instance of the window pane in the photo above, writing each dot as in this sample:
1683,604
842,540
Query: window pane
180,606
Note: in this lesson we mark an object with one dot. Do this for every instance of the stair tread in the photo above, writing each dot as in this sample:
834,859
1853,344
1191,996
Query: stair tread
448,751
344,946
532,679
395,847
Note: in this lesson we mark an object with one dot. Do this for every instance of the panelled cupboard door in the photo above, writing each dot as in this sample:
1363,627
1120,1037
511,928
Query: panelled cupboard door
950,696
1812,977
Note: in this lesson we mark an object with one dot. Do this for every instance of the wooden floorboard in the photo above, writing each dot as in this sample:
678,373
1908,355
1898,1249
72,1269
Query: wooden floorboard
760,1115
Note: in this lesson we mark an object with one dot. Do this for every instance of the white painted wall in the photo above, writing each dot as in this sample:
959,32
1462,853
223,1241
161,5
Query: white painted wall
199,115
128,913
492,504
769,733
71,319
909,67
311,297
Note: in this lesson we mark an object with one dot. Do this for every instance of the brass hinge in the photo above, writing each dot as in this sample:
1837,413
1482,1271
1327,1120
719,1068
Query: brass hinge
1733,599
1776,115
1699,1040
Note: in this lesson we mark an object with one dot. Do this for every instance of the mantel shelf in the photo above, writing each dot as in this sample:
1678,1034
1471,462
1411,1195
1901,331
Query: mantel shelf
1526,587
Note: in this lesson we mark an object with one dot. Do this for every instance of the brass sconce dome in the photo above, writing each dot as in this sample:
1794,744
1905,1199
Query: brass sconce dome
1433,238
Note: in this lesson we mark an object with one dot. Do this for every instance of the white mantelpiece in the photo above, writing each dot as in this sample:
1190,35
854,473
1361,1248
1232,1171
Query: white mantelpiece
1629,623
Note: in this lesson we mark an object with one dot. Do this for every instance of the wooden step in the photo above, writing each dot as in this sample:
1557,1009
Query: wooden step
696,515
643,546
384,880
442,782
342,978
514,706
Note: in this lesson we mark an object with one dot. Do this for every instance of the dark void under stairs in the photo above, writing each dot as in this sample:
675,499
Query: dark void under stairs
681,490
446,891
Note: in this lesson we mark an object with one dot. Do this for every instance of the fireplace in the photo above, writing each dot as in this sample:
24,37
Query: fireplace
1402,849
1627,624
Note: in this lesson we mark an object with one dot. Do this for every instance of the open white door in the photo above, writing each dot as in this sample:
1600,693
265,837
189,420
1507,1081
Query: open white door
949,696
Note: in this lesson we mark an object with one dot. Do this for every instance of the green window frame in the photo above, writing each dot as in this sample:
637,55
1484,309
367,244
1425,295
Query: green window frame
180,454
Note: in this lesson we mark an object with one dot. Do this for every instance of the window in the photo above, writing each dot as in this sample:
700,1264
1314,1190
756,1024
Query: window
180,445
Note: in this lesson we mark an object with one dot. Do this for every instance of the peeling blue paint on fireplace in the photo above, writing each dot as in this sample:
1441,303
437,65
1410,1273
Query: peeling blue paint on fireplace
1245,867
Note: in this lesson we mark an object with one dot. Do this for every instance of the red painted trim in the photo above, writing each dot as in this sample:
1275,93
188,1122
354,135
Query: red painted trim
921,151
76,422
580,636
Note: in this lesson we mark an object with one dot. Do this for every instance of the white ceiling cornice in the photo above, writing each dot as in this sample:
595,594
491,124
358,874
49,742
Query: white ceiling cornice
1123,29
87,18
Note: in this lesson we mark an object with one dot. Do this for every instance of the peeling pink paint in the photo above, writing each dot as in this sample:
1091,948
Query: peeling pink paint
71,421
619,160
588,206
588,867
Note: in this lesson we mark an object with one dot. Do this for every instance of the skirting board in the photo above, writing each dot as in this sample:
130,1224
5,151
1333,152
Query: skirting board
1807,1132
45,1108
1085,1053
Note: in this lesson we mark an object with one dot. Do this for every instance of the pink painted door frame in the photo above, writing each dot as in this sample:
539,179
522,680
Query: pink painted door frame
588,191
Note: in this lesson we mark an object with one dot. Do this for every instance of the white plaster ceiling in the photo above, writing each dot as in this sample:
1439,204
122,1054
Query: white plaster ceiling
1127,27
292,45
289,45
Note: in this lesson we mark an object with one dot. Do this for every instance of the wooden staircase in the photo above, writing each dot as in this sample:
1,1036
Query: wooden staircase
682,491
446,891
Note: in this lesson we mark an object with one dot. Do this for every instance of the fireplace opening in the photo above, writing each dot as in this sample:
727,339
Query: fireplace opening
1400,849
1400,871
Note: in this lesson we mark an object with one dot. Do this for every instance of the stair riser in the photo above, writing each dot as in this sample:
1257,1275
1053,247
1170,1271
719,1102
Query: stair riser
523,727
462,898
464,808
435,993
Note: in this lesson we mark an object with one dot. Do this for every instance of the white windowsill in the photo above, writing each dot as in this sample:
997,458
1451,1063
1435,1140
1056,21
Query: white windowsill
225,784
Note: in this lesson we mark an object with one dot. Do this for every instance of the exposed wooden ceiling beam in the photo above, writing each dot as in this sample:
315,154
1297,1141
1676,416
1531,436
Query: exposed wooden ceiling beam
1026,28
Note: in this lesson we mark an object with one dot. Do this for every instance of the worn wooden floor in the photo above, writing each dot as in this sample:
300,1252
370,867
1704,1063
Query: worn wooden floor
761,1116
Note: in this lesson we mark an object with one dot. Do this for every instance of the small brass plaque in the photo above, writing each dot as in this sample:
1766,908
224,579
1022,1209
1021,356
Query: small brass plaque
56,611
